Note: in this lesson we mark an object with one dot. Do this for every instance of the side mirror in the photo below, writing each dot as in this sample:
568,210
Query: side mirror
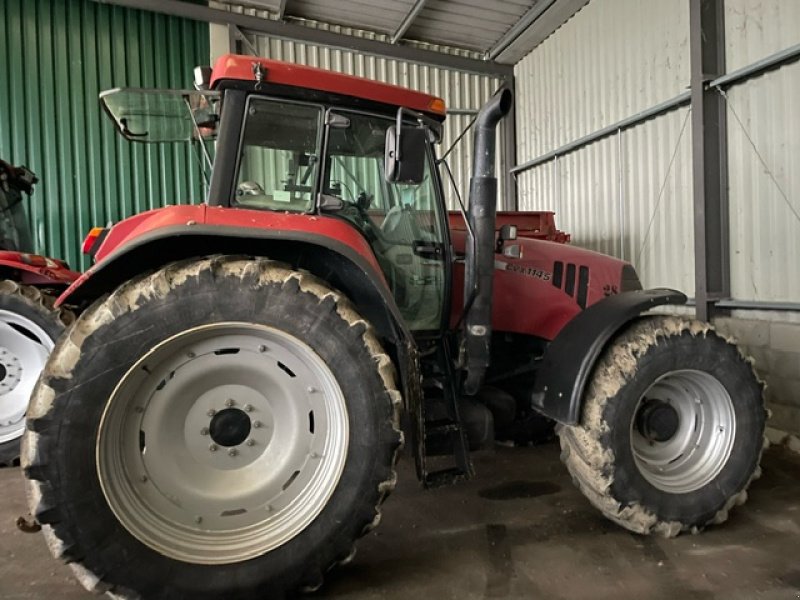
404,160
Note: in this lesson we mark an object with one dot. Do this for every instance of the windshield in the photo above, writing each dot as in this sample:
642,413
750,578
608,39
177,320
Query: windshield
162,115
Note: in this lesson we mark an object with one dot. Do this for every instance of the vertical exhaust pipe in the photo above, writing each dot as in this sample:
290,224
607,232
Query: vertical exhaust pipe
480,254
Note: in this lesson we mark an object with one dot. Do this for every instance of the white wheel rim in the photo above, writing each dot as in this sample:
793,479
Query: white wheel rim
703,438
216,500
24,348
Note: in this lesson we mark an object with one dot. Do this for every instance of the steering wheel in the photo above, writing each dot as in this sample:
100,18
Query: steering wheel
249,188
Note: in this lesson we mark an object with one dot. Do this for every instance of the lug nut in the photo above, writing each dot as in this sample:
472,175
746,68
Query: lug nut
248,408
211,412
212,447
198,519
204,431
229,402
311,389
233,452
250,442
191,354
262,348
256,424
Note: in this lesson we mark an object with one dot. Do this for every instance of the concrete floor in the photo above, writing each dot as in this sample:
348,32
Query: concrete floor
519,530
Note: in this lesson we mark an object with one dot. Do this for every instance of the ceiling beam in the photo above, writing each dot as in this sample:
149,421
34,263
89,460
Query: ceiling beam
282,10
293,31
408,20
535,26
510,36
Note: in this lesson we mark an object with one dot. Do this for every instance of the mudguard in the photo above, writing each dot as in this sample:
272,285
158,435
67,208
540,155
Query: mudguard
33,269
570,357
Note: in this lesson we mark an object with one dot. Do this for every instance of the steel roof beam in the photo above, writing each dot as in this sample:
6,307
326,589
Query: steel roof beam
282,10
408,20
292,31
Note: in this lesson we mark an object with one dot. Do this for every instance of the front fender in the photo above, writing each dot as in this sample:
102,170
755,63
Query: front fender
570,357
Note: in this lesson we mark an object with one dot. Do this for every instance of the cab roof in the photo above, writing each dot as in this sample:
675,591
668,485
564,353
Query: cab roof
243,68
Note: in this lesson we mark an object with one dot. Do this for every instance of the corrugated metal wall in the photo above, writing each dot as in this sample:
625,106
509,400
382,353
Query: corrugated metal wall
763,152
461,91
55,57
630,194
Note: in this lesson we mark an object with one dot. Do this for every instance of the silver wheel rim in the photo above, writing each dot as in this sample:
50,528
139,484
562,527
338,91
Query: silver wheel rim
24,348
190,493
703,438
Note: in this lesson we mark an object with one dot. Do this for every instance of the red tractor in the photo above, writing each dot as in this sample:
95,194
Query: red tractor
224,417
29,322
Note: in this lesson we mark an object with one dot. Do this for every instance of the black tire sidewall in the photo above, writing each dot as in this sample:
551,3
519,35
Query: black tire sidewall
710,354
106,354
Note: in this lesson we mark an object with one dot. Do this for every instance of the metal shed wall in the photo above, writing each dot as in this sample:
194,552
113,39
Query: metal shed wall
763,152
56,56
629,194
464,93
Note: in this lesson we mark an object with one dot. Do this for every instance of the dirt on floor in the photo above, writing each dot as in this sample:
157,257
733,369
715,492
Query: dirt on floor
518,530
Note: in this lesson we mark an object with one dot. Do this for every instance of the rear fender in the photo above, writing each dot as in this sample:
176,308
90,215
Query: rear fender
570,357
331,260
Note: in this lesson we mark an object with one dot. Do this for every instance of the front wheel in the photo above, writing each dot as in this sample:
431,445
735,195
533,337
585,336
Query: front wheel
672,428
221,428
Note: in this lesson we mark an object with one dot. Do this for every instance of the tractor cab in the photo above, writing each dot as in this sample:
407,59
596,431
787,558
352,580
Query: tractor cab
286,139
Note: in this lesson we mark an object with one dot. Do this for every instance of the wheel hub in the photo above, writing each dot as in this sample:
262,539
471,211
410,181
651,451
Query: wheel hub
23,354
230,427
657,421
10,371
683,431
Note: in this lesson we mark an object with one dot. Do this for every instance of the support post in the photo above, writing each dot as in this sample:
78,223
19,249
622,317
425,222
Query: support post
709,156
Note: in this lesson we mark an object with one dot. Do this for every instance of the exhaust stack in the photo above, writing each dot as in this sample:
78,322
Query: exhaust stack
480,255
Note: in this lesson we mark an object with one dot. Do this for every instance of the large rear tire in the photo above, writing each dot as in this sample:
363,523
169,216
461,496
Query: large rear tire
672,428
29,328
222,428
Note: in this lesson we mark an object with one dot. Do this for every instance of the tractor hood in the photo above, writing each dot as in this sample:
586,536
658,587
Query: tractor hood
559,280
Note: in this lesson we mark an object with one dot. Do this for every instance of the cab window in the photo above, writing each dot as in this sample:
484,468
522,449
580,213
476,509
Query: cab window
279,158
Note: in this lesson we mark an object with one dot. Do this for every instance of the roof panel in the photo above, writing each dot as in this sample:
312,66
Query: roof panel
378,15
472,25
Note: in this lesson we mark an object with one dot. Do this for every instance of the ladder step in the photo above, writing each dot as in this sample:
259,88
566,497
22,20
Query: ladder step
440,428
445,477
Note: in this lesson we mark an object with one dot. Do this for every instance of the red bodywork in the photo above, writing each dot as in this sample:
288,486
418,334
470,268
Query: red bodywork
237,67
537,225
526,300
132,229
32,269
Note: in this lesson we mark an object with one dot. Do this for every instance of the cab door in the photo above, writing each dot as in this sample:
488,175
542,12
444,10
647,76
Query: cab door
404,224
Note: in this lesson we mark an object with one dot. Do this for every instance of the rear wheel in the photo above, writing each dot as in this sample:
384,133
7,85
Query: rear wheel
243,424
672,428
29,327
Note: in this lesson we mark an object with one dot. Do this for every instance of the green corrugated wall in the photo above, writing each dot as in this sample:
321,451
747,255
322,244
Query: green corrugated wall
56,56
